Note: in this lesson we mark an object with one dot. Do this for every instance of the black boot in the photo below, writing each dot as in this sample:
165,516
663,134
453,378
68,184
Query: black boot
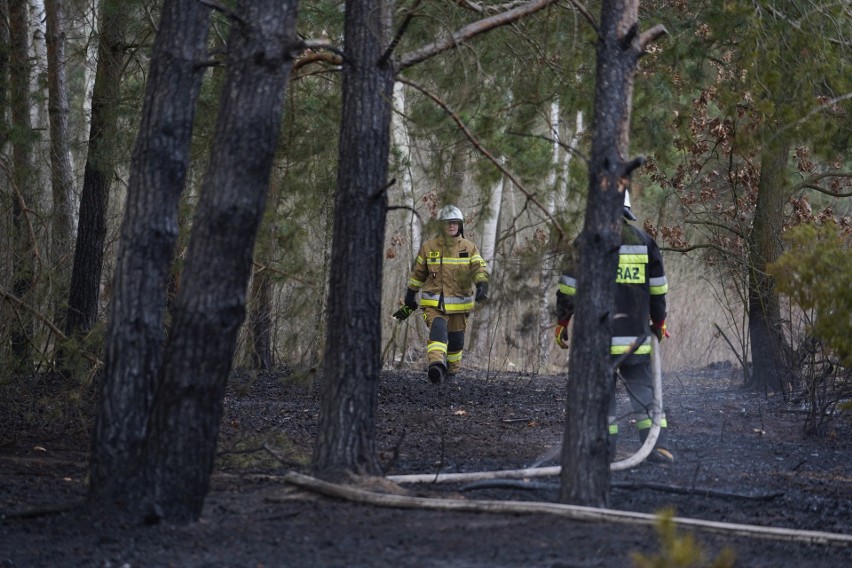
661,453
613,442
437,372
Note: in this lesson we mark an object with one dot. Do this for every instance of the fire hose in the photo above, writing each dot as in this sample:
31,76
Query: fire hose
533,472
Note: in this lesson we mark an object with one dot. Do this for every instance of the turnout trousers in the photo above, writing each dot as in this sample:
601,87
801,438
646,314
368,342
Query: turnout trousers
639,383
446,338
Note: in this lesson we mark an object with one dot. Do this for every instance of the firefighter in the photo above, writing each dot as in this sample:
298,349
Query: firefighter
450,276
640,296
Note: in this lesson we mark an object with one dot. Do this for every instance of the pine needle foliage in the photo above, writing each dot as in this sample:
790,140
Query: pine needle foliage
678,550
816,273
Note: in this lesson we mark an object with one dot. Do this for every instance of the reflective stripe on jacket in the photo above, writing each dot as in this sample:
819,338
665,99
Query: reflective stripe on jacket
446,271
640,293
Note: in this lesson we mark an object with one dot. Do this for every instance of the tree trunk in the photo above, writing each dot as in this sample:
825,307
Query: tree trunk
61,170
345,437
210,306
5,44
585,467
768,346
148,235
86,273
23,194
261,321
544,339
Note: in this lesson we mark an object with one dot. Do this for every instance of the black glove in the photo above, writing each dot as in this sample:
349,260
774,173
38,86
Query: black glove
402,313
410,299
481,291
408,307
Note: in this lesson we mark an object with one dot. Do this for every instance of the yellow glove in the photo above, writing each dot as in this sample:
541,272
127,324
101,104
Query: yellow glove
561,333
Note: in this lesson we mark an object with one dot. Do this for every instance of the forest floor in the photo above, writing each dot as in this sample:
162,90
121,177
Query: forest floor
740,458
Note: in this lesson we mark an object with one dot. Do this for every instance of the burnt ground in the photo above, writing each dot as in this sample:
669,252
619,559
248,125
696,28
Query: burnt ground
741,458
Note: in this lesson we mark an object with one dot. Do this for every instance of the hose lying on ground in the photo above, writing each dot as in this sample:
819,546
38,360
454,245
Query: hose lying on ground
533,472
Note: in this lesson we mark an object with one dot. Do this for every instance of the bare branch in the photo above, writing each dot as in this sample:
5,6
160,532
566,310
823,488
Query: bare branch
482,9
712,246
330,58
398,36
717,225
649,36
586,14
224,9
12,298
471,30
476,144
563,145
633,164
812,183
823,106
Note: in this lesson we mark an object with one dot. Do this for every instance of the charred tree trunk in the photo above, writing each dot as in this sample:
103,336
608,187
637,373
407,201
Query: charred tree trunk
585,467
86,273
210,306
345,438
148,235
769,369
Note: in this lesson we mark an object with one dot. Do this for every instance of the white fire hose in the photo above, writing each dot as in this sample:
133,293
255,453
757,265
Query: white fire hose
532,472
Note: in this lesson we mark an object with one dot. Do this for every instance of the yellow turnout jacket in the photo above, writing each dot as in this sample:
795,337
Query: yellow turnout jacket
445,273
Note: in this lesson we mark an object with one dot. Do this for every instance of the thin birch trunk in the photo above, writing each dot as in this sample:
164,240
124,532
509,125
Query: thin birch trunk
558,200
61,170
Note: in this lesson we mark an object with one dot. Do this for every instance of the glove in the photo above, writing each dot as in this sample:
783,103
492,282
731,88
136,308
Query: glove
402,313
481,291
659,329
561,333
410,299
408,307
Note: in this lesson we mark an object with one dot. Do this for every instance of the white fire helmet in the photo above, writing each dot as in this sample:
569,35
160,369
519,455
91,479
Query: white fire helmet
452,213
628,214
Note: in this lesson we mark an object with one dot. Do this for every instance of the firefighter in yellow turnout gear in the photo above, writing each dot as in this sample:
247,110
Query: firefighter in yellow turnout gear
450,275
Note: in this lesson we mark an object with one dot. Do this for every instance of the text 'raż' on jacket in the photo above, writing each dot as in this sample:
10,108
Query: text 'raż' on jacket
640,291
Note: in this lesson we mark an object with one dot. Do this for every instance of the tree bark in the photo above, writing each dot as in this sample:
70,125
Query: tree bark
210,306
768,347
61,170
85,286
345,437
261,321
148,235
5,44
23,194
585,468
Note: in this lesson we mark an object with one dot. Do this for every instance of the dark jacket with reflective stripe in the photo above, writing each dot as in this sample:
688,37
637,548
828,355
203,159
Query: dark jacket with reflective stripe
445,272
640,292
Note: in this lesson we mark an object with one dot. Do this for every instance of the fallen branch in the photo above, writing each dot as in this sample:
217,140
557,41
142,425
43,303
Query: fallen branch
574,512
36,513
694,491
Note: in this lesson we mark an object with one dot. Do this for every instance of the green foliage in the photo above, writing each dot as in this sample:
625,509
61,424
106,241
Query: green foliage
816,273
677,551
